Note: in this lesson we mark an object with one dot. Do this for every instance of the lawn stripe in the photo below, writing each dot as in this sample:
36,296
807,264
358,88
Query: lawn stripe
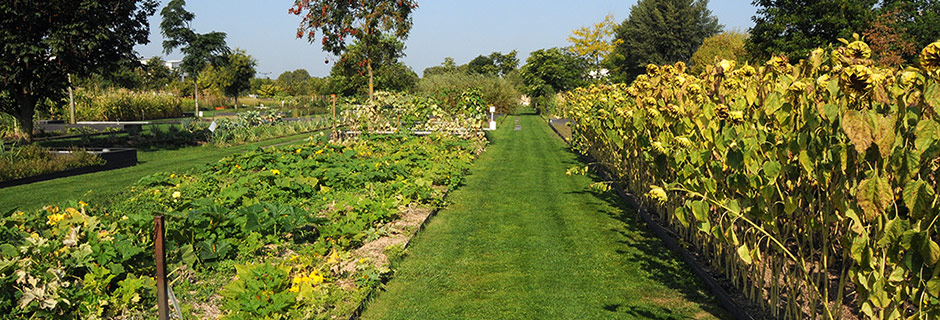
523,240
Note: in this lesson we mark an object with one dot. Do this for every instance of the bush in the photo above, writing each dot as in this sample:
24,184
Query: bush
32,160
123,104
498,92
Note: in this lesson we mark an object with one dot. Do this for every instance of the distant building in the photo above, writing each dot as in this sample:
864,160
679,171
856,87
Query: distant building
172,64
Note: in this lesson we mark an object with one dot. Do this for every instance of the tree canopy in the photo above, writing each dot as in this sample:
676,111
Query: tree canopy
595,43
368,22
348,78
42,44
726,45
793,27
547,71
496,64
661,32
231,76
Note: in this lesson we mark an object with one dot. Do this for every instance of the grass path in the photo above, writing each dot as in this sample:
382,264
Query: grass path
521,240
101,186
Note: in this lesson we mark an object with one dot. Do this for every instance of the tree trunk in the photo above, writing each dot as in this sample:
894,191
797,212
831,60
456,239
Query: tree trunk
371,86
24,115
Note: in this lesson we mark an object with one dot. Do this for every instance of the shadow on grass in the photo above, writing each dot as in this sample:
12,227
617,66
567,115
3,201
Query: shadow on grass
658,263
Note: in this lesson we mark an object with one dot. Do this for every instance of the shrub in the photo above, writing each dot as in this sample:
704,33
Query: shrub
498,92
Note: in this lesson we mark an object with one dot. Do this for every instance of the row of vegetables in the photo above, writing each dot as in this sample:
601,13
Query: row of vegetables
811,185
273,228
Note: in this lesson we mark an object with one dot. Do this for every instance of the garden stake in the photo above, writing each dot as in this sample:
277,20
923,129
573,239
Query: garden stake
160,255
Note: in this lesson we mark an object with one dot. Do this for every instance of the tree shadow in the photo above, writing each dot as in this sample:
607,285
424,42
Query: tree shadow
641,246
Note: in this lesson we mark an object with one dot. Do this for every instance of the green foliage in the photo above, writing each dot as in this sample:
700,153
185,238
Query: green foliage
461,113
43,44
727,45
661,32
794,28
448,66
369,23
198,49
312,199
593,44
123,104
499,92
496,64
352,74
232,76
30,160
548,71
785,169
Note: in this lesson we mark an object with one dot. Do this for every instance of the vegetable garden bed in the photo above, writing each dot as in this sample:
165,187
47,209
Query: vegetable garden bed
291,232
111,158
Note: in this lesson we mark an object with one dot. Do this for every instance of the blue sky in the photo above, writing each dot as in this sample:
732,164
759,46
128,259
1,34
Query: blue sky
442,28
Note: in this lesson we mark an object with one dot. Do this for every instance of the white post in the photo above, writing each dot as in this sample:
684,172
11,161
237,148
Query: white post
492,118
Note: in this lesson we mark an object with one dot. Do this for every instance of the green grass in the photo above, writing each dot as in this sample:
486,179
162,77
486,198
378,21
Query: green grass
522,240
100,187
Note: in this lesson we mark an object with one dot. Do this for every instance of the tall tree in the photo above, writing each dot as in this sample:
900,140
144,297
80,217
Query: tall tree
661,32
795,27
918,19
231,76
199,49
348,78
547,71
41,44
595,43
296,83
366,22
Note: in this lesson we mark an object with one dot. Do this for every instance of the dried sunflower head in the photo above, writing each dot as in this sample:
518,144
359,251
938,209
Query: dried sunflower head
746,71
780,64
930,58
652,70
856,80
725,67
680,67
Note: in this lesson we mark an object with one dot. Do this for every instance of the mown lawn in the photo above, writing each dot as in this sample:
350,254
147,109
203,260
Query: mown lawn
102,186
522,240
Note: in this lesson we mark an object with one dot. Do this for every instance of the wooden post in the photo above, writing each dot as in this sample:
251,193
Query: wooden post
333,135
71,102
163,309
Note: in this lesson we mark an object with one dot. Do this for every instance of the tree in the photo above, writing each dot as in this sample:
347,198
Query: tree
448,66
232,76
155,75
795,27
889,41
42,44
661,32
365,21
919,18
296,83
726,45
594,44
199,49
348,78
483,65
551,70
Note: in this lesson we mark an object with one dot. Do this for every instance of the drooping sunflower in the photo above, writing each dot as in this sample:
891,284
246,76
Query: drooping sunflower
930,58
856,80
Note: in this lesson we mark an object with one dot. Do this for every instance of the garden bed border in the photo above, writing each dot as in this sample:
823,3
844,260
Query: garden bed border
114,159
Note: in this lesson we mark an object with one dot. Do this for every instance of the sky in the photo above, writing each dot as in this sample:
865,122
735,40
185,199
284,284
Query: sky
442,28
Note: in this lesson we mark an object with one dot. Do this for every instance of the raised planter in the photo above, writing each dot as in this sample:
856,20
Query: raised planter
114,158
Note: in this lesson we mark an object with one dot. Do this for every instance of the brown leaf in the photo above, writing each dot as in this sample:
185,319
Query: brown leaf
884,134
857,128
874,196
